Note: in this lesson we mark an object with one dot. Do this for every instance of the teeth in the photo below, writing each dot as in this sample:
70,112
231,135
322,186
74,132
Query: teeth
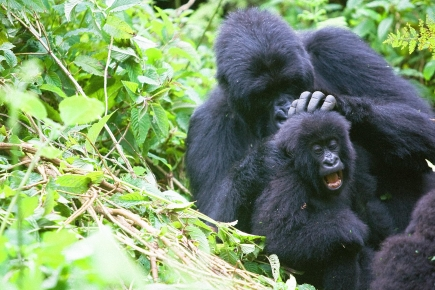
333,180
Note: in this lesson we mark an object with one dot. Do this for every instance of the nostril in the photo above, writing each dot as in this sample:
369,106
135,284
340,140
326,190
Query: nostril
281,115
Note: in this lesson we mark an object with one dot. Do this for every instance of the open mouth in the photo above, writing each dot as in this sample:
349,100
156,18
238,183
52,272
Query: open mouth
333,180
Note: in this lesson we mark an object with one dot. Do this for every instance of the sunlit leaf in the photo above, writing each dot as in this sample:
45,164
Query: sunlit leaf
94,131
118,28
53,89
160,122
80,110
90,65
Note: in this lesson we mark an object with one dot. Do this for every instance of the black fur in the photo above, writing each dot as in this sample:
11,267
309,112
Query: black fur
262,66
407,261
310,226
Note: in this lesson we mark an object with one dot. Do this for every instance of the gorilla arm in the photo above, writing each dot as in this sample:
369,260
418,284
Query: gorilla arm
404,133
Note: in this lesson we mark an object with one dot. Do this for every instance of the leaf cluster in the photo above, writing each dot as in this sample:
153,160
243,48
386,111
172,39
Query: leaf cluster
95,98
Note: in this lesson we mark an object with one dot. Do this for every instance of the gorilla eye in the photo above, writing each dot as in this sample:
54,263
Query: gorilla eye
333,144
317,149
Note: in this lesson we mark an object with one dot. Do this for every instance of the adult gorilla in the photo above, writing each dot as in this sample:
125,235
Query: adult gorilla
262,67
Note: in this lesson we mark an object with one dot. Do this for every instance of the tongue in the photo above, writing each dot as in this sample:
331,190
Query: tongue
333,181
332,178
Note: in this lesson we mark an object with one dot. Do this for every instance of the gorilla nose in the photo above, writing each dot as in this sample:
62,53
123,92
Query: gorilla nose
331,162
281,115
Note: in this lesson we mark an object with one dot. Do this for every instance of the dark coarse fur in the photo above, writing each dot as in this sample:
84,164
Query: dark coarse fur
309,227
406,261
262,66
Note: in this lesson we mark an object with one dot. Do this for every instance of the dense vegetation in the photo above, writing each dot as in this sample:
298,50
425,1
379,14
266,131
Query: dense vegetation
95,99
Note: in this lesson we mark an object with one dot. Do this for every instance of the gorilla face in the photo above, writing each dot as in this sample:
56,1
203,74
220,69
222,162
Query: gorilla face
326,154
319,150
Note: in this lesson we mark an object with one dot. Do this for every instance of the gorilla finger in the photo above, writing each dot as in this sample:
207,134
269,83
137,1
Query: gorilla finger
329,103
303,102
292,109
315,101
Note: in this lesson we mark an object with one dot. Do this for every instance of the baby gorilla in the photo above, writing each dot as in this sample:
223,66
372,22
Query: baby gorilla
305,211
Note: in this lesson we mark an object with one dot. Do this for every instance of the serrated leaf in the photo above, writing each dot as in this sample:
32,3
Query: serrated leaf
94,131
179,206
128,200
52,78
147,80
95,176
90,65
275,265
228,255
121,5
34,5
10,57
197,235
122,54
73,180
117,28
140,124
247,248
6,46
69,7
160,122
53,89
80,110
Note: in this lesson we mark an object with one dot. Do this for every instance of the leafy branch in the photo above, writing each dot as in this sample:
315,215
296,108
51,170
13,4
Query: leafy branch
409,37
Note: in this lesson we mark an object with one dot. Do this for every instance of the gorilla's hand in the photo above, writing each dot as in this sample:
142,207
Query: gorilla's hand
308,102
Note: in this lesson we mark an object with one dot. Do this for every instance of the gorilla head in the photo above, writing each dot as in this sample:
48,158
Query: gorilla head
262,67
317,144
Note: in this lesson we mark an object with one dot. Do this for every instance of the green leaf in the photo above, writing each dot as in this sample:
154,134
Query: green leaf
52,78
121,5
28,206
117,28
6,46
160,122
26,101
384,27
168,27
147,80
53,89
50,253
51,152
140,124
96,176
103,250
73,180
197,235
429,70
128,200
90,65
275,265
247,248
69,7
10,57
94,131
79,110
